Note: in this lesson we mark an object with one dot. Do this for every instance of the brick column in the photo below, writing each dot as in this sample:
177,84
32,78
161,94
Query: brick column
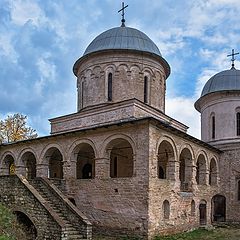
172,169
194,173
42,170
102,168
69,169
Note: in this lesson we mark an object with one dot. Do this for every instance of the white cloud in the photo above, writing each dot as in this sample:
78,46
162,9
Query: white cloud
182,109
25,10
6,47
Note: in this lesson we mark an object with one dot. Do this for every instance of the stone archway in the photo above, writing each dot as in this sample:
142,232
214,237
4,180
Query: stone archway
121,158
29,161
186,170
201,170
213,173
85,168
55,163
27,225
166,161
8,165
219,208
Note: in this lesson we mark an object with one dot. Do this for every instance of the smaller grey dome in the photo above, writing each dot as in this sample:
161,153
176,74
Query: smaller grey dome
123,38
224,81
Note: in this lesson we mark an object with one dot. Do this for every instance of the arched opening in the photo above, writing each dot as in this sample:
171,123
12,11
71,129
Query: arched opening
166,161
9,167
121,158
55,161
201,170
219,208
29,161
213,174
193,206
110,87
185,170
166,209
27,225
85,161
203,212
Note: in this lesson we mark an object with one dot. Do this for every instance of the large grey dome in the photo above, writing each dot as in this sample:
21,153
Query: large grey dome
123,38
224,81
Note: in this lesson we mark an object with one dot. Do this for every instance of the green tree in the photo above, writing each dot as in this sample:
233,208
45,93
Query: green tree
14,128
10,229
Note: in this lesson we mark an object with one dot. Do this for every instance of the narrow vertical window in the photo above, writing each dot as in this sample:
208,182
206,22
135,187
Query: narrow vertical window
145,89
110,87
166,209
238,186
115,167
193,206
213,127
238,123
82,91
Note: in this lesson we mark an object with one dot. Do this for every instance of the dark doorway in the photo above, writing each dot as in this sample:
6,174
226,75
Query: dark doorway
27,225
161,173
219,208
203,213
87,171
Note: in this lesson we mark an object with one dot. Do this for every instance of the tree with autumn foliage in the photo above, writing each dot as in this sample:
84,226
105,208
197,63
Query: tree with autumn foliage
14,128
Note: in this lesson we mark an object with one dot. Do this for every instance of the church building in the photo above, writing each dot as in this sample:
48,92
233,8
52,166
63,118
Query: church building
120,165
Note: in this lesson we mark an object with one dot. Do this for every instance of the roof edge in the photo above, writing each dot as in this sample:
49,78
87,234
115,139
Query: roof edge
166,66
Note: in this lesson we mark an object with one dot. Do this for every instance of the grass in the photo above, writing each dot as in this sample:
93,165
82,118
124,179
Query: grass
229,233
9,228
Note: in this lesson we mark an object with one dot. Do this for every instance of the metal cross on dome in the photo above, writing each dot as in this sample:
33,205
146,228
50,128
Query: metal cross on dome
233,58
123,13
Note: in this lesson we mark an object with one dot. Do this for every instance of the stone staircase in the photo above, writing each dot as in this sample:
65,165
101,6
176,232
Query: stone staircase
73,220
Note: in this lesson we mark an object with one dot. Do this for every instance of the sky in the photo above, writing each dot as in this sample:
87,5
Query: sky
40,40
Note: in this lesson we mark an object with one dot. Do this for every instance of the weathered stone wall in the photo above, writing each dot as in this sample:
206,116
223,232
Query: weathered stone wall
113,204
181,217
131,204
18,198
109,114
128,70
230,176
117,204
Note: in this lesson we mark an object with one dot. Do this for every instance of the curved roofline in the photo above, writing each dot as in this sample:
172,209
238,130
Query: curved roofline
162,60
198,102
225,80
123,38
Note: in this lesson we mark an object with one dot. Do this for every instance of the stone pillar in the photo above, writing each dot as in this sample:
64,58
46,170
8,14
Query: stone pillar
203,177
207,177
177,175
102,168
42,170
68,171
194,173
134,165
172,169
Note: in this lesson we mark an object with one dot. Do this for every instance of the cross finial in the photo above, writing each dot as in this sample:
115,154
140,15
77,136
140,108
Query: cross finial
233,58
122,10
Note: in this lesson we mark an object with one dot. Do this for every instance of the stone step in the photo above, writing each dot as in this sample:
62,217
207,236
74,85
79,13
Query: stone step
75,237
60,209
